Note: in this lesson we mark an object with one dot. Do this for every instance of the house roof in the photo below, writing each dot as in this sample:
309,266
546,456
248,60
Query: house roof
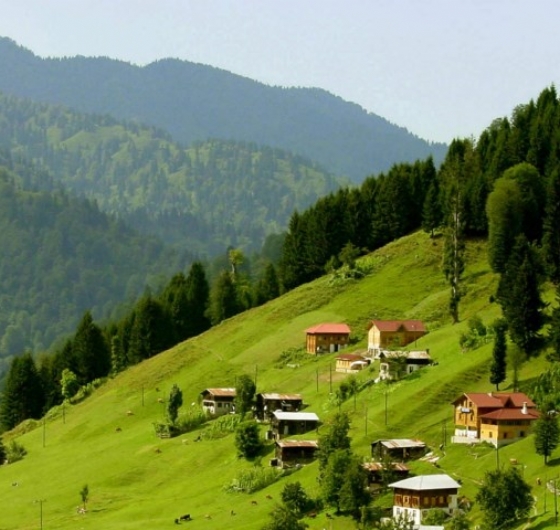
281,397
426,482
510,414
350,357
378,466
415,355
295,416
400,443
497,400
297,443
395,325
222,392
340,329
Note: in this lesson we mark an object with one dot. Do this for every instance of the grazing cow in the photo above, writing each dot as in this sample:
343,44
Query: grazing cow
254,502
186,517
269,496
232,512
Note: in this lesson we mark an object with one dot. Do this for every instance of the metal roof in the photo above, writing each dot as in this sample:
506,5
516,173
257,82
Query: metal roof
224,392
298,443
400,443
283,397
426,482
295,416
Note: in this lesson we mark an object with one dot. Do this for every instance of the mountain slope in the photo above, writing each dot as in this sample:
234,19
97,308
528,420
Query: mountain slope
60,257
205,198
197,102
137,480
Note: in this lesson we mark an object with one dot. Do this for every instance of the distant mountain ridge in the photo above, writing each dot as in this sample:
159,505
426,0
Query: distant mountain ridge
195,102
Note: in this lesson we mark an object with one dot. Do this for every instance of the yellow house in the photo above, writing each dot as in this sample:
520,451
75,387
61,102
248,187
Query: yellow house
499,418
391,334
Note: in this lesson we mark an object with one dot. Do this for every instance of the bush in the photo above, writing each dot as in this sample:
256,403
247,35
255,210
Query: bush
15,452
255,479
247,439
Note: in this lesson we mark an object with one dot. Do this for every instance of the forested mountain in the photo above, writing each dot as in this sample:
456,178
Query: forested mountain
61,256
194,102
205,197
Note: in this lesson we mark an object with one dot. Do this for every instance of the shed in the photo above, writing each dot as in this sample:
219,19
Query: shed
218,401
292,452
268,402
397,448
351,363
290,423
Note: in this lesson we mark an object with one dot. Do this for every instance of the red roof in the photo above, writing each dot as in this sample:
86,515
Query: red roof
498,400
341,329
395,325
510,414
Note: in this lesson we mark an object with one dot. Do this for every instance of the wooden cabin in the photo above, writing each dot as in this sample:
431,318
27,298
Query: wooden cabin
292,423
391,334
397,449
295,452
325,338
218,401
269,402
351,363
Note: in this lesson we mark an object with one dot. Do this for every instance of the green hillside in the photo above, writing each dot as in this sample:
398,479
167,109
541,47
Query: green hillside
137,480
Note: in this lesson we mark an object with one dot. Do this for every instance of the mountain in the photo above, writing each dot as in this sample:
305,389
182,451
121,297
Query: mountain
138,480
195,102
204,198
62,256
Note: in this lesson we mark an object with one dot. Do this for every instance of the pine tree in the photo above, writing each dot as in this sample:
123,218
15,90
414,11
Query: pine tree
198,295
432,216
498,366
23,393
223,299
551,233
547,434
520,298
267,287
174,404
90,349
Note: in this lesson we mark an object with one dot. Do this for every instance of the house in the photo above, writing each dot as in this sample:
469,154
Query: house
397,449
290,423
393,364
267,403
218,401
390,334
327,338
351,363
378,470
295,452
499,418
413,497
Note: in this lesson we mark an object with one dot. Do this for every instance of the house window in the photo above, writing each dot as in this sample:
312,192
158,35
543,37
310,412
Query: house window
426,501
521,434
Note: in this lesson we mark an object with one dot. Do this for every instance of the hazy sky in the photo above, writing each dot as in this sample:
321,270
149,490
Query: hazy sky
440,68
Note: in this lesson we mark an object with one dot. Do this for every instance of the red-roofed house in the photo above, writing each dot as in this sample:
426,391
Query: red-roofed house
327,338
496,417
390,334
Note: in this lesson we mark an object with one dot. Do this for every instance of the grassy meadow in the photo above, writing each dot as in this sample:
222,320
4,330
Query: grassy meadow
137,480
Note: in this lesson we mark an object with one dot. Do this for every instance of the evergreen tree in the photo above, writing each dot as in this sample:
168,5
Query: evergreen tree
334,439
247,439
174,404
454,265
223,299
353,490
198,294
547,434
498,366
244,394
282,518
554,333
551,233
90,350
267,287
118,356
432,216
520,298
23,393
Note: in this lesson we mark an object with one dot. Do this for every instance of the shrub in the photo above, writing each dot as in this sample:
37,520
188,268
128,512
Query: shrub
15,452
255,479
247,439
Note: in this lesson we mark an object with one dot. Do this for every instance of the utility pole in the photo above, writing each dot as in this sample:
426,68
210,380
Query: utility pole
43,431
40,501
385,407
330,378
366,421
317,380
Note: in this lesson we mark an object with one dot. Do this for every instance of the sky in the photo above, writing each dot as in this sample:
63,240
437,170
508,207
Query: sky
443,69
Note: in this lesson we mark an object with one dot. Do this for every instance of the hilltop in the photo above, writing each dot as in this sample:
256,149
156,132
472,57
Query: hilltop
137,480
195,102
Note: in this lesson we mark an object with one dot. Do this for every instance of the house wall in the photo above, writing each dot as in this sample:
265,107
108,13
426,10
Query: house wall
328,342
501,433
386,339
217,407
468,420
414,504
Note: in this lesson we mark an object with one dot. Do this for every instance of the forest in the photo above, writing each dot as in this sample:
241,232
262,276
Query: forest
504,187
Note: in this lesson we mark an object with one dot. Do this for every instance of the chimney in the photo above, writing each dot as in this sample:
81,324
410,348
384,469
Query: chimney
524,408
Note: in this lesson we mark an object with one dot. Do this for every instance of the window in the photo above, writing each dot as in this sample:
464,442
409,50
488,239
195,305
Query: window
426,501
521,434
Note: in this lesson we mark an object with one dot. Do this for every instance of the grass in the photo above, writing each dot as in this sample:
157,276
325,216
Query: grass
137,480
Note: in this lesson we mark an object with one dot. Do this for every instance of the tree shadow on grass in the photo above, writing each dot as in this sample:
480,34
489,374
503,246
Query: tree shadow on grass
553,462
548,523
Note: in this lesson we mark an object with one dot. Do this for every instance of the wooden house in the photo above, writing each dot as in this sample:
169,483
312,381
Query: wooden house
351,363
414,497
325,338
295,452
391,334
291,423
397,449
218,401
378,470
499,418
394,364
267,403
